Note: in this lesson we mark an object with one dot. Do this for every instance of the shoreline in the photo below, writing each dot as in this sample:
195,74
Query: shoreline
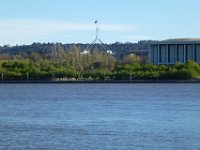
94,81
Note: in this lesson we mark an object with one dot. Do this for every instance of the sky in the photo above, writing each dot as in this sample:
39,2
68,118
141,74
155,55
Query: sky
72,21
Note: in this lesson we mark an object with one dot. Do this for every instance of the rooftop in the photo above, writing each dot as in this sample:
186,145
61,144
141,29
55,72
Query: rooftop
182,40
179,41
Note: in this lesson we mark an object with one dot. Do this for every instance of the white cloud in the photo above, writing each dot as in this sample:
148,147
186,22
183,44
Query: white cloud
14,31
30,25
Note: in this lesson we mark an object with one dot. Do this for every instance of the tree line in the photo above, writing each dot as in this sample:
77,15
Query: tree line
72,65
48,48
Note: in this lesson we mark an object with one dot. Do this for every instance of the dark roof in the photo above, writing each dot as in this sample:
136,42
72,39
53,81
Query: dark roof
182,40
179,41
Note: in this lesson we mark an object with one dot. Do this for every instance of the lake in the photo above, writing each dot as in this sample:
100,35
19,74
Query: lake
100,116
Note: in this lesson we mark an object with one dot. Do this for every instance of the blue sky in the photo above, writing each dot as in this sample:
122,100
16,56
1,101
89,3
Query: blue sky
72,21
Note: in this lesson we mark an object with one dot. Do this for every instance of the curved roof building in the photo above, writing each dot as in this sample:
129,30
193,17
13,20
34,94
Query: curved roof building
186,40
172,51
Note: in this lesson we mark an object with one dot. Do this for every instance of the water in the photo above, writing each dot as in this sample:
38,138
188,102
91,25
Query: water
100,116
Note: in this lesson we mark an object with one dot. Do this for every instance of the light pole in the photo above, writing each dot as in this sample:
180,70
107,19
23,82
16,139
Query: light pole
131,76
53,76
2,76
27,76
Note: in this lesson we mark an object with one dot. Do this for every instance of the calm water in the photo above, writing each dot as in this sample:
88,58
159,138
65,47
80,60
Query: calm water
100,116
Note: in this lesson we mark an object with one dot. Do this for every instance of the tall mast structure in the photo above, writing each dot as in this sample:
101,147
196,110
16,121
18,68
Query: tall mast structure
97,39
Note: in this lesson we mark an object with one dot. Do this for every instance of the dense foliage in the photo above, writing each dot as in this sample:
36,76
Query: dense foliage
60,65
190,70
73,65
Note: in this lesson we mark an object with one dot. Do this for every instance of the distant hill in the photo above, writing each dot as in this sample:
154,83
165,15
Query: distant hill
118,48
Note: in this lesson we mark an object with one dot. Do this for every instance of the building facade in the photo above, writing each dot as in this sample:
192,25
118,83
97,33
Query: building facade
175,50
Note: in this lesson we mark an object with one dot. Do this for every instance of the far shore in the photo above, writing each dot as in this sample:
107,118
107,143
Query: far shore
97,81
